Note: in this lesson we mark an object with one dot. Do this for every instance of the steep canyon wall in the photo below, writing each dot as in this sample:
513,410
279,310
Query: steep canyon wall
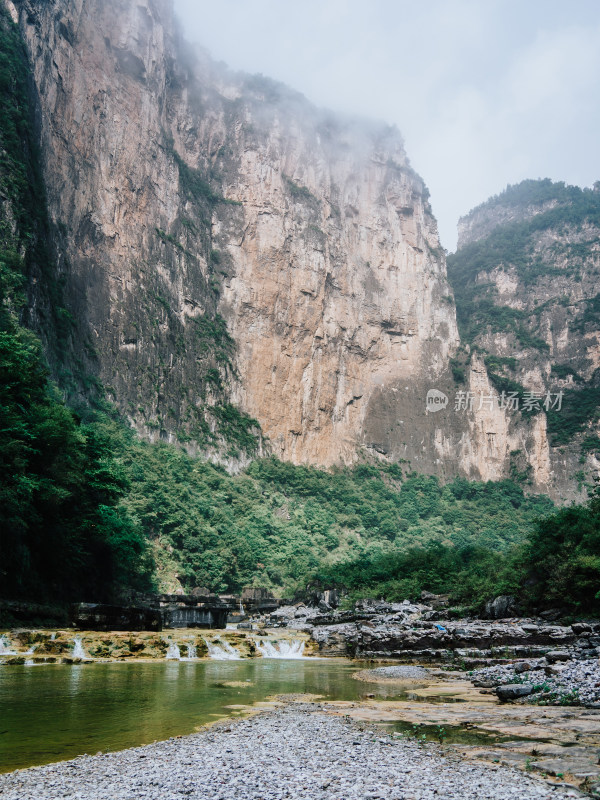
236,258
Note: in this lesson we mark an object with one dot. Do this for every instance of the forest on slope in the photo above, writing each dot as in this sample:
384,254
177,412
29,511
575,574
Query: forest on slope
90,512
525,280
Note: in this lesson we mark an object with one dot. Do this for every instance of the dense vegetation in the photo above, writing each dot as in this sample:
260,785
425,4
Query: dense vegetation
276,523
557,565
370,530
87,511
580,407
512,244
62,534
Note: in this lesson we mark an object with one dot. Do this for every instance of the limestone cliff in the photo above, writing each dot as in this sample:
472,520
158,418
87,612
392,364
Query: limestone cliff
526,277
243,265
186,197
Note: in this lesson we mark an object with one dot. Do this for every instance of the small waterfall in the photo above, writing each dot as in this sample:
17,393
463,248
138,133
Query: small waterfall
78,651
191,651
52,637
283,649
222,651
242,612
5,648
173,652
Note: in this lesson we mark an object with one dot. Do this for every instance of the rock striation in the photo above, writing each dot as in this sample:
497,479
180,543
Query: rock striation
410,632
227,241
246,273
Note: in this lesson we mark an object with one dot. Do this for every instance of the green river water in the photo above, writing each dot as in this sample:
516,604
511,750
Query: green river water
55,712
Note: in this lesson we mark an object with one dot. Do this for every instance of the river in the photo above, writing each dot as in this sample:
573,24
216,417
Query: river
55,712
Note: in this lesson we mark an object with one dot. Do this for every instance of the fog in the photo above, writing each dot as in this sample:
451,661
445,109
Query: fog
485,94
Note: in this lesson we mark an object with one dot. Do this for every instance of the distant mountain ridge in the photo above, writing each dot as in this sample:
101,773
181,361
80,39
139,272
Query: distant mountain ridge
526,277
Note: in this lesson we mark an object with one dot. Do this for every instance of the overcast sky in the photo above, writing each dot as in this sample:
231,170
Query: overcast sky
485,92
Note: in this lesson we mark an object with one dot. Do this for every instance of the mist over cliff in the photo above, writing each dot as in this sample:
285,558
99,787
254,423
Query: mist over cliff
249,274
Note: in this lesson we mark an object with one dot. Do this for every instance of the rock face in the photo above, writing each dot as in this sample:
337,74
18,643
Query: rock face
98,617
238,260
501,607
338,280
525,277
469,642
133,222
184,196
411,632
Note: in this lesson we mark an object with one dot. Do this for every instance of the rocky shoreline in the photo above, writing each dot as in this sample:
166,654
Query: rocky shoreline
417,632
556,679
294,751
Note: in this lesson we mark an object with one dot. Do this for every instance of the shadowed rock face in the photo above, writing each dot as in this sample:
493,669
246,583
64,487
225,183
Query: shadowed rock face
225,242
337,285
325,261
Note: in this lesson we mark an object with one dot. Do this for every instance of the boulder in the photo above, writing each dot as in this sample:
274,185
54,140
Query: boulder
523,666
501,607
557,655
581,627
512,691
330,597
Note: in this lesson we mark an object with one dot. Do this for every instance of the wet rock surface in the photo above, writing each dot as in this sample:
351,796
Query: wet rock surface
553,741
296,751
414,631
21,646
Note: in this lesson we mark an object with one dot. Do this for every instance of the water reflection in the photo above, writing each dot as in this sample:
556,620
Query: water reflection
57,712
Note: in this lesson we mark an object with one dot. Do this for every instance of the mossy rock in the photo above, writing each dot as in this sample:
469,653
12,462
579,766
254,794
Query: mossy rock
99,650
54,647
201,649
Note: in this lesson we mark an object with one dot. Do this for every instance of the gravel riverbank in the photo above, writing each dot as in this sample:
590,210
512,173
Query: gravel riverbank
295,751
547,680
399,672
